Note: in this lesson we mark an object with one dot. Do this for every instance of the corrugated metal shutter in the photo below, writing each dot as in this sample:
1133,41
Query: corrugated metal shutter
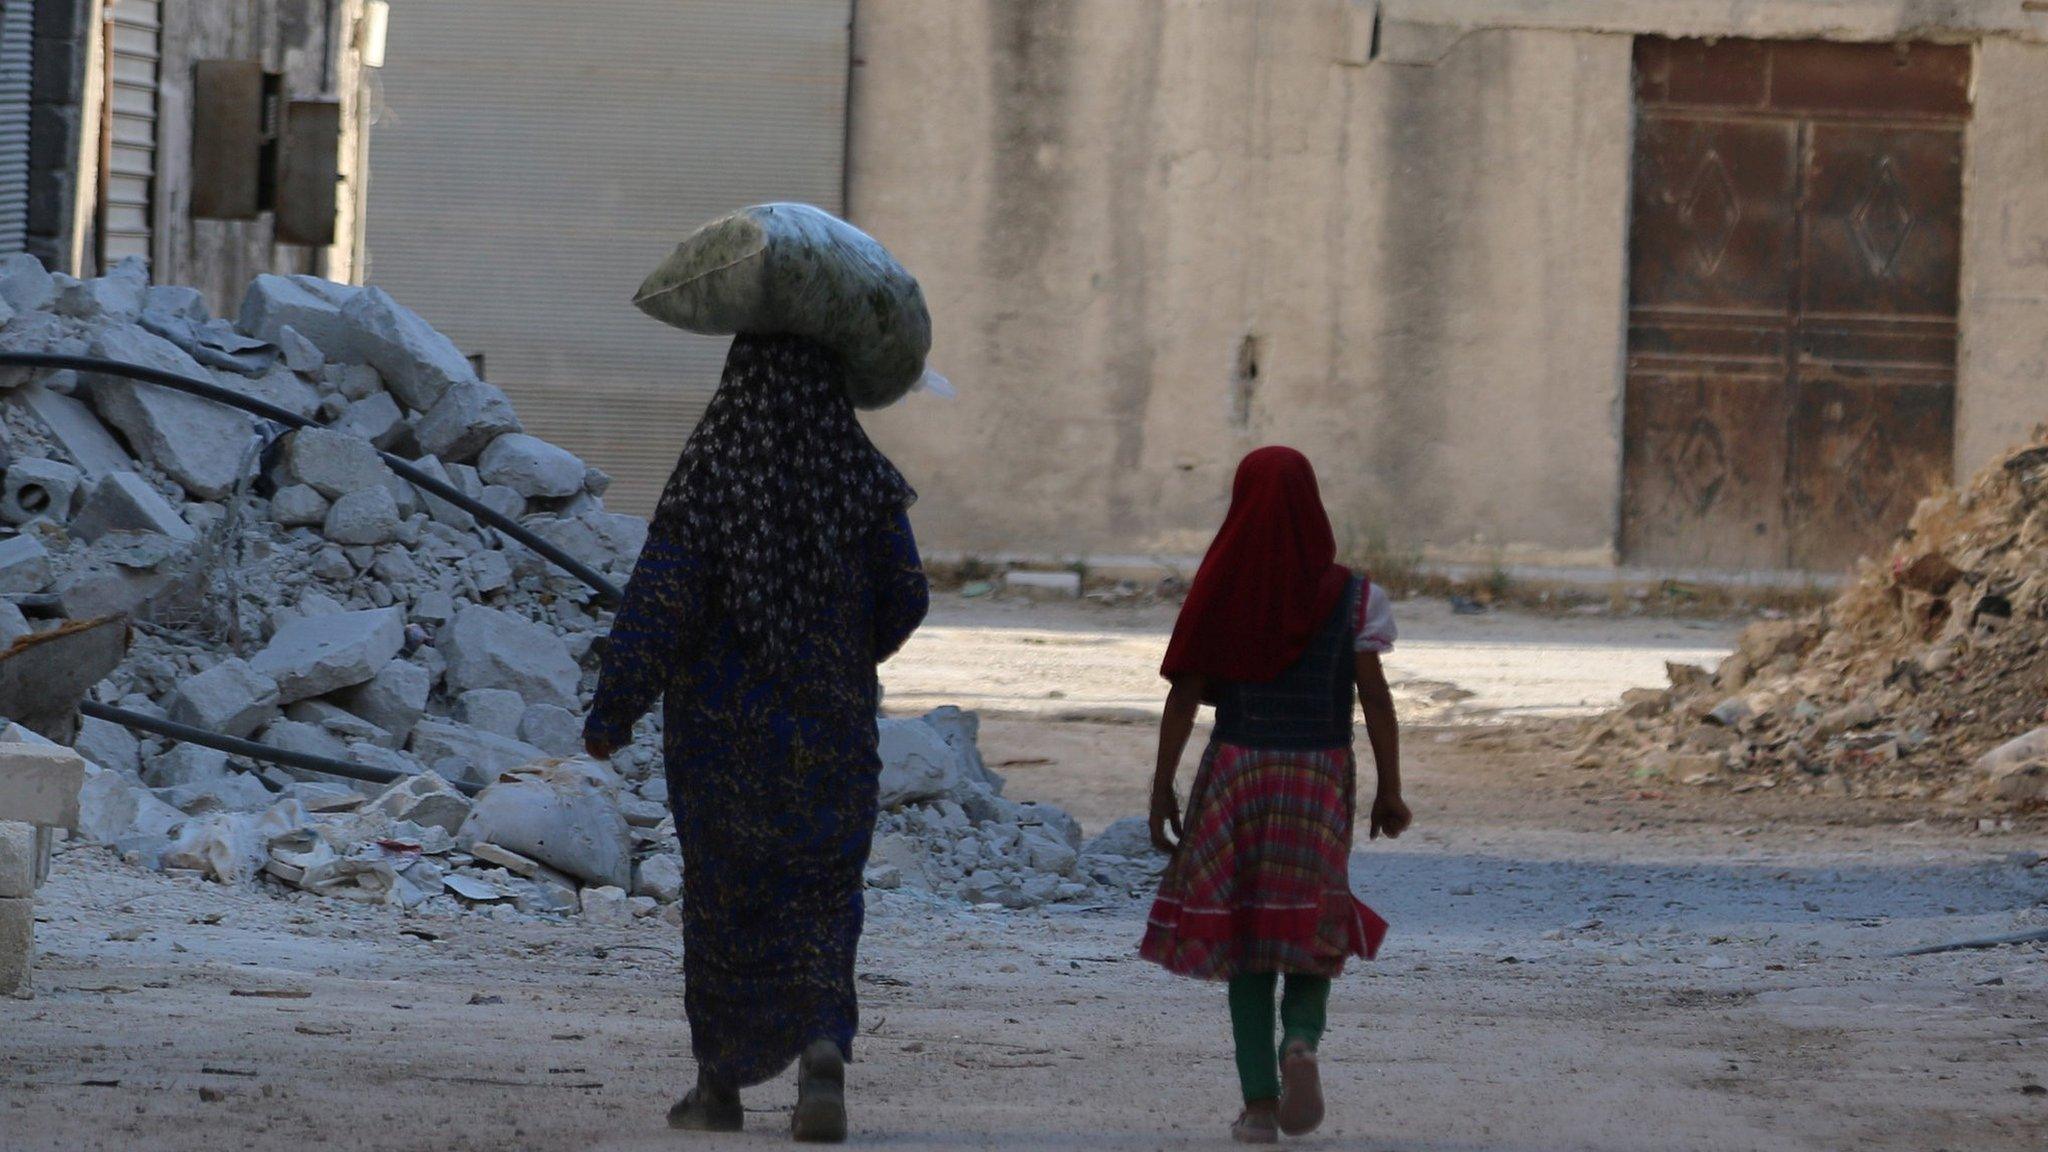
17,43
134,32
534,160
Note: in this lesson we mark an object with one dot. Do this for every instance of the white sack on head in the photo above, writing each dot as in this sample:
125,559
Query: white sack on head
794,270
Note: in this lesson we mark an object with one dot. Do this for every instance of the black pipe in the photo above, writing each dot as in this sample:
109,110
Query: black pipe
607,592
249,749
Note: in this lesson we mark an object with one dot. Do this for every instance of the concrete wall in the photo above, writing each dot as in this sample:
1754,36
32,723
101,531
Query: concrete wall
2002,369
1157,235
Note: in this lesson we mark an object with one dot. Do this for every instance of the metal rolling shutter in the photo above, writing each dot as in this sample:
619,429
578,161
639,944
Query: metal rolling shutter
133,35
534,160
17,41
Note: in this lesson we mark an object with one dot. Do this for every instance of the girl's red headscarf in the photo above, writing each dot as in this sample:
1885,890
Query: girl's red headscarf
1269,580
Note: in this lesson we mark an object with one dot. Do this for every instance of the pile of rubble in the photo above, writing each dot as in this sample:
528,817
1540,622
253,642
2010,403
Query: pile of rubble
1926,679
291,589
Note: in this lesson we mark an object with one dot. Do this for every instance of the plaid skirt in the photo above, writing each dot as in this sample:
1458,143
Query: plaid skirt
1261,882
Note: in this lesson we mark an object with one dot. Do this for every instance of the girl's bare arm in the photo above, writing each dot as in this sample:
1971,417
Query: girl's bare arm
1175,724
1389,814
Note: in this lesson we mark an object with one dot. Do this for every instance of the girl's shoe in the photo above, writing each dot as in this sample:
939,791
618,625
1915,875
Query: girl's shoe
1255,1128
708,1109
820,1116
1301,1091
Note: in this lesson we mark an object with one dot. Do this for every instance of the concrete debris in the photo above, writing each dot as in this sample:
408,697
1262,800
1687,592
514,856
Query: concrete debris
1929,663
324,605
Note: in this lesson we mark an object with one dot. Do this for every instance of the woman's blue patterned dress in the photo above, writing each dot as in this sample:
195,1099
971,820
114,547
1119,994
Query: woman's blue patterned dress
772,778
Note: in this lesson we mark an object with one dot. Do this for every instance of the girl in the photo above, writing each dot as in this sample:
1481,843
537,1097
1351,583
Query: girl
1276,635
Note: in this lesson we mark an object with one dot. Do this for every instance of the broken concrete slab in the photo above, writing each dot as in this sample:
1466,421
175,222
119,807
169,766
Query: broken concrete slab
115,298
490,648
279,386
108,745
531,467
231,698
125,502
467,417
200,444
418,363
312,656
73,430
183,764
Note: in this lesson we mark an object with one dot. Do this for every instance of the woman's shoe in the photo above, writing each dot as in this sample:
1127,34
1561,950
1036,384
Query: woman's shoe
708,1109
820,1116
1301,1091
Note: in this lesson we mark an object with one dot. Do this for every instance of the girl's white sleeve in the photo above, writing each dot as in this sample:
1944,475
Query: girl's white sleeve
1376,632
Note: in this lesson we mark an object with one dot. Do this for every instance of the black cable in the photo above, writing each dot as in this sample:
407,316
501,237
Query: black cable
249,749
607,592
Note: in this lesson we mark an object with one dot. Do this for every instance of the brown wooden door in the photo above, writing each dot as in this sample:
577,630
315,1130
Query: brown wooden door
1792,298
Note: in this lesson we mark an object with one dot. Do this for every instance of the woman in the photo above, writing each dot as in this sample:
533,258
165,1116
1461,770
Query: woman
778,571
1279,637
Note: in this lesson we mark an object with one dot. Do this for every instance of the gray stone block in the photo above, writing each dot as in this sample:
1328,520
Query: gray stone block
394,699
24,283
467,417
332,463
468,753
418,364
531,467
298,506
375,418
488,648
362,518
314,655
307,303
73,430
184,764
494,710
125,502
231,698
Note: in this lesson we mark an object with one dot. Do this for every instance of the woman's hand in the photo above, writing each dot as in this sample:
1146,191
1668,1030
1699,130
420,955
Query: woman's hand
597,748
1389,816
1165,816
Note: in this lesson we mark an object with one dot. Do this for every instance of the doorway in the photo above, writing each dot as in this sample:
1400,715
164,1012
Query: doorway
1793,261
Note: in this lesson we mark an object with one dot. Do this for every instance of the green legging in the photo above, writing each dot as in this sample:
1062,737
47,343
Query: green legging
1303,1008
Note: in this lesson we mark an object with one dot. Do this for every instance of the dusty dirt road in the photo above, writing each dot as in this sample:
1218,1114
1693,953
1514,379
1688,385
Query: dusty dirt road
1576,964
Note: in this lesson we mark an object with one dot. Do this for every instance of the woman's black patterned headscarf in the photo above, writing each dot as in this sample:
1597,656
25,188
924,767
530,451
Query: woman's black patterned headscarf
776,484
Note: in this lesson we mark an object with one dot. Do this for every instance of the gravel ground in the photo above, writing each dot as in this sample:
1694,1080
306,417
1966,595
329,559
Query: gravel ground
1574,965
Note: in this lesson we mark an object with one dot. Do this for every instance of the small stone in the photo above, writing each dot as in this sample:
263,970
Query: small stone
298,506
606,905
553,729
659,877
1731,712
504,501
490,572
25,284
185,764
116,298
494,710
375,418
363,518
300,354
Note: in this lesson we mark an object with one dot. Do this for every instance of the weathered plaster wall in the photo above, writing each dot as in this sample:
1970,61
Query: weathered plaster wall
2002,370
1157,235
